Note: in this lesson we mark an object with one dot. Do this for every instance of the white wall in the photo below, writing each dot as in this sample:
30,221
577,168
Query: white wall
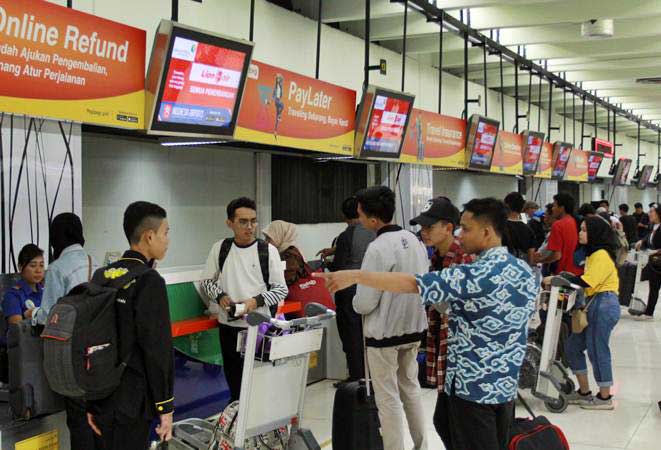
312,238
194,185
462,187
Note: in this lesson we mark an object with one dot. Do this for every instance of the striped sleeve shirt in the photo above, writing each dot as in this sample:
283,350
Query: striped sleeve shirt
241,279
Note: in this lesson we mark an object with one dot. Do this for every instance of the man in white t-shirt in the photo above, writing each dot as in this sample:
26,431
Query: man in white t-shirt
240,283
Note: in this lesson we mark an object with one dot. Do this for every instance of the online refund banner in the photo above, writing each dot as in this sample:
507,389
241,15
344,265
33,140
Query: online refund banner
61,63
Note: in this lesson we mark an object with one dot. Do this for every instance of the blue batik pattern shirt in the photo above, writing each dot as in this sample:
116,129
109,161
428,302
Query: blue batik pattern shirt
491,302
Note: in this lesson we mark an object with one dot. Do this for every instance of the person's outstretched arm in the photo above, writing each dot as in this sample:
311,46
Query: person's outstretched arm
402,283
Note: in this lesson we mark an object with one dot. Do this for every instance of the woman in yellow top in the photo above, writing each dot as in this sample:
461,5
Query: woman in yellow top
601,284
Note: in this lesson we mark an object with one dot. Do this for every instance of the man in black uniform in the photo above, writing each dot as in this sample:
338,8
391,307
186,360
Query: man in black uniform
122,421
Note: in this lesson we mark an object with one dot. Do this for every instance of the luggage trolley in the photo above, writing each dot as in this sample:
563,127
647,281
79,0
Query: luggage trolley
637,305
553,381
280,361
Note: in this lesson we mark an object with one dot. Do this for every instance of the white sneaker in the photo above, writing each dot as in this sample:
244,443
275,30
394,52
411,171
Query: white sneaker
598,403
646,318
576,398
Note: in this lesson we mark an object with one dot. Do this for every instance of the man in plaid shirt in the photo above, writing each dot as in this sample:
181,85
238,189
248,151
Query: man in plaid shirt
438,222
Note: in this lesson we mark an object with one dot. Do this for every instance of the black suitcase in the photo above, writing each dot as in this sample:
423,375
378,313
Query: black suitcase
627,273
355,419
29,392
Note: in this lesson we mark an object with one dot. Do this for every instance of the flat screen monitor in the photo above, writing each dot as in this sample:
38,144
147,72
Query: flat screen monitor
621,172
532,149
594,163
561,154
481,141
602,146
383,116
195,82
645,176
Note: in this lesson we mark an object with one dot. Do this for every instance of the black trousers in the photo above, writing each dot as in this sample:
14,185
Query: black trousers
232,361
119,432
442,419
80,433
350,329
473,426
655,285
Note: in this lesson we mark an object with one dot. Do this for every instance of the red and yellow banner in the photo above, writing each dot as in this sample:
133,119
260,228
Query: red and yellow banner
290,110
434,139
61,63
577,169
507,158
544,169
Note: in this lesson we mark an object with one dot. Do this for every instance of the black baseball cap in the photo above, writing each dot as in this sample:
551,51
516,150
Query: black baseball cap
439,208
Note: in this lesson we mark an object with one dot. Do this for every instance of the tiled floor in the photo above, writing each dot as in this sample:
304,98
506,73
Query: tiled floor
635,423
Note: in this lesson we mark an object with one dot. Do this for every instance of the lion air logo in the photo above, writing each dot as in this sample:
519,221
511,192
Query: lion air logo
217,76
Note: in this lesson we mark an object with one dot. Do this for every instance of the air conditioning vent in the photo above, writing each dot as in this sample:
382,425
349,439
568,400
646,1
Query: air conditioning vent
598,29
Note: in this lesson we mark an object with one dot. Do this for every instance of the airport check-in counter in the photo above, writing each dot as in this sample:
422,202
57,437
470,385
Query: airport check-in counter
200,387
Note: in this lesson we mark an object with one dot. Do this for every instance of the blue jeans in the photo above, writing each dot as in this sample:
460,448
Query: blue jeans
603,315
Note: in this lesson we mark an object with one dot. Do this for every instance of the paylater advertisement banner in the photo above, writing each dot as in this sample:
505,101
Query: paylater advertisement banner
290,110
544,169
507,157
61,63
434,139
577,169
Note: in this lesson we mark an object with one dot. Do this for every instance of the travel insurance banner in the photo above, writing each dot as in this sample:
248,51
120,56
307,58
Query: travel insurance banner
434,139
544,168
508,157
577,169
61,63
291,110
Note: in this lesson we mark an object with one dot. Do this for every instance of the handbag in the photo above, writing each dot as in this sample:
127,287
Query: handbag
579,318
652,268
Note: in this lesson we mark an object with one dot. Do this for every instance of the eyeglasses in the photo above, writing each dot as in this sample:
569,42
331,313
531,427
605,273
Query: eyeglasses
243,223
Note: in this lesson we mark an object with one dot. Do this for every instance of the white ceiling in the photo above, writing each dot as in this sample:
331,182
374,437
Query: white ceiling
548,31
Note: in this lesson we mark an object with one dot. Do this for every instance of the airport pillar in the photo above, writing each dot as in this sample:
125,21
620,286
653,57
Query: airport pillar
547,190
263,188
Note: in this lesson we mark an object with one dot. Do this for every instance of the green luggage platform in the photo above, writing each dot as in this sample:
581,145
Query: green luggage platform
194,334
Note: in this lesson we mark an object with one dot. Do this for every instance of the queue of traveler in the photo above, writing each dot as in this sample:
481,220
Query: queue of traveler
389,297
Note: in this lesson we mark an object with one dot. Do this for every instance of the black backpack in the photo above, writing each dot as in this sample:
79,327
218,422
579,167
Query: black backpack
81,355
262,253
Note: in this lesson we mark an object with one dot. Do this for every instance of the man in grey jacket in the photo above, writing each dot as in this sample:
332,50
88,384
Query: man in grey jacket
393,327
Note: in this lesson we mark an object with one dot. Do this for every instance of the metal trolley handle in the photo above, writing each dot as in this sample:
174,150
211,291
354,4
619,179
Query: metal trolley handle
561,282
314,315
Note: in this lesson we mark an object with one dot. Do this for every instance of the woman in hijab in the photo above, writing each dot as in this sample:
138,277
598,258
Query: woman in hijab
601,284
283,236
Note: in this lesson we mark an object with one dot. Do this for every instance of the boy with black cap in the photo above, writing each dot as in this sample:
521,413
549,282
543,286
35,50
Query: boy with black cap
70,265
438,221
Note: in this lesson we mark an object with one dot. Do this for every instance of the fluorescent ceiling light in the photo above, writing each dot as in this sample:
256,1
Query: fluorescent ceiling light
333,158
190,143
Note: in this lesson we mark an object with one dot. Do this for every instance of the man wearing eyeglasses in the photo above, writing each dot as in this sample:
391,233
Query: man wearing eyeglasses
242,274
